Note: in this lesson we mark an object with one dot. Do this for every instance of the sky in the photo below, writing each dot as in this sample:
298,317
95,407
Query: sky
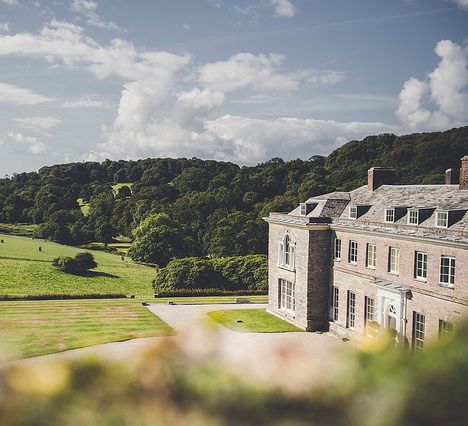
232,80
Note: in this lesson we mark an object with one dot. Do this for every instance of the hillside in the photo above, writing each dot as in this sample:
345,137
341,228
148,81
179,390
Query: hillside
214,208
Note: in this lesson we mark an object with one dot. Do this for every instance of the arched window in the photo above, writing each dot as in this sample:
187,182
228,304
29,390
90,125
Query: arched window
286,253
287,250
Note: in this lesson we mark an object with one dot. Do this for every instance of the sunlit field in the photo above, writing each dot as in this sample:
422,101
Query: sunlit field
31,328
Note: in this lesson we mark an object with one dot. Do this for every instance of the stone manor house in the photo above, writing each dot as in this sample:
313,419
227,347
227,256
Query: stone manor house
382,256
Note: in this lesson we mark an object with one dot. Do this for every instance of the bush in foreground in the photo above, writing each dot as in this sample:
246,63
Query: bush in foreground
183,385
82,262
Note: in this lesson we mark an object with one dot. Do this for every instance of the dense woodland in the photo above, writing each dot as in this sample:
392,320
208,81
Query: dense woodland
191,207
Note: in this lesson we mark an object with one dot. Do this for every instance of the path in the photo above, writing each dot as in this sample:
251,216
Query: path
259,355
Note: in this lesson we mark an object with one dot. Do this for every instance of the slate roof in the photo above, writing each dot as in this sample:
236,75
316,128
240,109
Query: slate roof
431,198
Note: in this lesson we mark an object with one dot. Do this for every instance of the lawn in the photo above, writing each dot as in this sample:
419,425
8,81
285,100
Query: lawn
32,328
252,321
84,206
25,270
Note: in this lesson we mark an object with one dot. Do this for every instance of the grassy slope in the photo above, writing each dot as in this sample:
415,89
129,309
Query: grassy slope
26,270
42,327
253,320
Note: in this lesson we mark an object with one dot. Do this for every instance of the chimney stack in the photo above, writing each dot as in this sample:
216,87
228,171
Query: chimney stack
451,176
378,176
464,173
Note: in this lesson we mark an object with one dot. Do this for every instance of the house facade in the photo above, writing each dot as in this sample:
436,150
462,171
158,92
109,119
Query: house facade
381,257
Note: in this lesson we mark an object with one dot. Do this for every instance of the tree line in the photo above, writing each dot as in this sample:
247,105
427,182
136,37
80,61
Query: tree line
191,207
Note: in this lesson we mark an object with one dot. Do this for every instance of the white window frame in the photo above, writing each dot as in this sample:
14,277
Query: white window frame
445,329
411,218
419,331
369,314
388,213
337,249
336,301
371,258
351,313
303,209
420,266
353,252
287,296
447,270
287,258
394,260
353,212
441,223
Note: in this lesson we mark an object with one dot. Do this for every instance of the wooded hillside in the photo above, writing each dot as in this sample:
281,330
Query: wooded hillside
208,207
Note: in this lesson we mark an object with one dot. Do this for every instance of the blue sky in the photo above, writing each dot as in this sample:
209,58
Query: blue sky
235,80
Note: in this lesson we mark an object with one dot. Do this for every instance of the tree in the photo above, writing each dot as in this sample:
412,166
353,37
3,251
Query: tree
82,262
158,239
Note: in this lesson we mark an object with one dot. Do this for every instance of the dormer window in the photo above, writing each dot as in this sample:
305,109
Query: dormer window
441,219
413,217
390,215
306,208
353,212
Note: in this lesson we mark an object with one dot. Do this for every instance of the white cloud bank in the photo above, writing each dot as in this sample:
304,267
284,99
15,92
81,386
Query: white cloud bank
12,94
440,101
22,143
155,117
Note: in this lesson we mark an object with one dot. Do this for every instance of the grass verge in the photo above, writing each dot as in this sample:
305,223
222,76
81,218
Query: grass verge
252,321
35,328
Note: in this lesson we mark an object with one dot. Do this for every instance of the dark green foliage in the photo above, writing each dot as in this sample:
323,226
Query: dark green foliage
216,207
82,262
235,273
158,239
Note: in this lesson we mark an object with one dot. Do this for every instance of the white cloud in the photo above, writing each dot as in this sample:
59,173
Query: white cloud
86,103
4,26
441,101
88,8
283,8
19,96
462,3
40,122
22,143
186,27
260,73
10,2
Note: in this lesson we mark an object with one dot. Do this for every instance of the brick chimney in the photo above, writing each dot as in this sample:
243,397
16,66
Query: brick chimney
451,176
378,176
464,173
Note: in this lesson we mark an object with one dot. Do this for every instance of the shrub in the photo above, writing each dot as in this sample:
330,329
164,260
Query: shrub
227,274
80,263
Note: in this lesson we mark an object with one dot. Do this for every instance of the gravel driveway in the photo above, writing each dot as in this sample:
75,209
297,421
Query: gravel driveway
259,355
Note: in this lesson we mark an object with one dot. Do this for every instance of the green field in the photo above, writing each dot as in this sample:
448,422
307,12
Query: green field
24,270
22,229
41,327
84,206
117,186
252,321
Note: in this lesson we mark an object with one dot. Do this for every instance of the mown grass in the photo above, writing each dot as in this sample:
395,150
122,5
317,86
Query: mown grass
35,328
252,321
26,270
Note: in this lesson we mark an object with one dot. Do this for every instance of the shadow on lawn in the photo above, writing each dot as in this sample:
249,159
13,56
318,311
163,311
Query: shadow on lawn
92,274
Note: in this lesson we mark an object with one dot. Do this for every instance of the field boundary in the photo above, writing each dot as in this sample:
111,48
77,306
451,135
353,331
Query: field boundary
11,298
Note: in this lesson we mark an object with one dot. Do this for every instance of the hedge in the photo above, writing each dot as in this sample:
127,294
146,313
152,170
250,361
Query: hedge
209,292
229,274
11,298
